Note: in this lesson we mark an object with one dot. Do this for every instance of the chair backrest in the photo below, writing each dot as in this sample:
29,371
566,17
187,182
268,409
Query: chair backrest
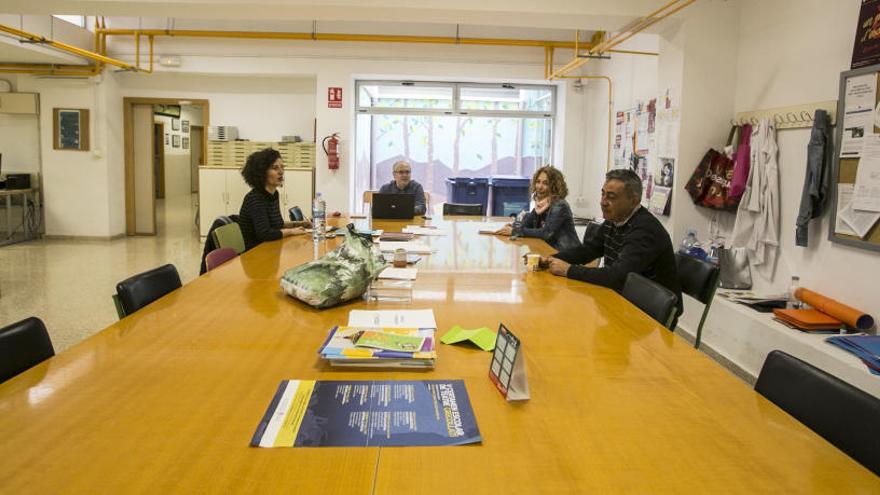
463,209
23,345
296,214
697,277
368,196
136,292
593,228
219,256
229,236
840,413
652,298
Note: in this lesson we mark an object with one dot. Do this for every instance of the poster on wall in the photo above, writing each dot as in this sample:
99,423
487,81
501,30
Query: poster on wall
184,143
175,141
167,139
175,124
858,113
184,126
70,129
866,49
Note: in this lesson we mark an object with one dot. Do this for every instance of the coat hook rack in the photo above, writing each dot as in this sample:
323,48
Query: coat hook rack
793,117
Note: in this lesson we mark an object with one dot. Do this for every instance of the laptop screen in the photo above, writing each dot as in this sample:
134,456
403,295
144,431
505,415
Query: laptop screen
393,206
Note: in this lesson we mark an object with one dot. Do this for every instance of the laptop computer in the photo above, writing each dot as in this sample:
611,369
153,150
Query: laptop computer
394,206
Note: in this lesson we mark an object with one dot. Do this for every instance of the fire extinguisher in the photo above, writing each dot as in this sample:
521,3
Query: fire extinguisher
331,148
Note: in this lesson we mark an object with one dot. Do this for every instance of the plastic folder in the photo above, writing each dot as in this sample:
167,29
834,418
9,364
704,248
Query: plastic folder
807,319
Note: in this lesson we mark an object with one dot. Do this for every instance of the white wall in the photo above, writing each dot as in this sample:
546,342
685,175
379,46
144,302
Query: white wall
782,61
633,79
75,183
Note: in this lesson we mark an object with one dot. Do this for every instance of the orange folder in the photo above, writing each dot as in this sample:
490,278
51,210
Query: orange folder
807,319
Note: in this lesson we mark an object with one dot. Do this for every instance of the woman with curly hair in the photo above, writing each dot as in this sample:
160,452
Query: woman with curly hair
551,219
260,217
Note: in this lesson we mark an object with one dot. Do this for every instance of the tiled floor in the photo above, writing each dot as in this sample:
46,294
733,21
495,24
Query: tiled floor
69,283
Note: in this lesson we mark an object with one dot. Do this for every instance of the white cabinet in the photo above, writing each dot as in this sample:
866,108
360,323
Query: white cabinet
20,103
221,191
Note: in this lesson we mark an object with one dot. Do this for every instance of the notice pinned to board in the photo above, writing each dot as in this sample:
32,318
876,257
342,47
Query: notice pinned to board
858,113
866,196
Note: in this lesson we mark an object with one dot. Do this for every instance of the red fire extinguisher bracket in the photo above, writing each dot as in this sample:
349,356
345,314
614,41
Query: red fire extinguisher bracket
331,149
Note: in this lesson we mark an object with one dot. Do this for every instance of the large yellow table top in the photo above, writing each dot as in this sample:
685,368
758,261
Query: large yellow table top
167,399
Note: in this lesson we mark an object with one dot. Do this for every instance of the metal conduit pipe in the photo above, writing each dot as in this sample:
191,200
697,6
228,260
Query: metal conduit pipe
96,57
626,33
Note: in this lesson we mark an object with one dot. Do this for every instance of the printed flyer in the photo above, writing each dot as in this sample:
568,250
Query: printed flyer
355,413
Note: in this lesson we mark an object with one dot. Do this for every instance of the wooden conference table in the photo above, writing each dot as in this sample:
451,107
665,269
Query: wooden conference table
167,399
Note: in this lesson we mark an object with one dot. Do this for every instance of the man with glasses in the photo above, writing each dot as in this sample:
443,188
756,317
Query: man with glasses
403,184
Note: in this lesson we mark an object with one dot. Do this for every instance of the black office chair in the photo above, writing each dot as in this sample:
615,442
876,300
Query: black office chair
652,298
837,411
296,214
136,292
593,228
699,280
474,210
23,344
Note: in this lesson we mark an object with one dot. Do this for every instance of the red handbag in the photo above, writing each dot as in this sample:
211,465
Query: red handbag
709,186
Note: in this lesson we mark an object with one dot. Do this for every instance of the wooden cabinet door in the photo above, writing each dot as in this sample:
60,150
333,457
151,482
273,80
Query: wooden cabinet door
212,197
236,188
297,191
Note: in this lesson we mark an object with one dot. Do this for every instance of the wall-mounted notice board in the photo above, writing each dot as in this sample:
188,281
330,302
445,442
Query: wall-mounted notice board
855,179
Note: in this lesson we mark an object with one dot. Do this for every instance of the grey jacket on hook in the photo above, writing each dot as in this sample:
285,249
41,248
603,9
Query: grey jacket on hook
815,193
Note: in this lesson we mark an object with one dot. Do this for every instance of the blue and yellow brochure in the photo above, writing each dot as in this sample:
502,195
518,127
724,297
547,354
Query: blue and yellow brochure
352,413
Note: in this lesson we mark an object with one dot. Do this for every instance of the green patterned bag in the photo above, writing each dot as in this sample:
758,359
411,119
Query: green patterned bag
338,276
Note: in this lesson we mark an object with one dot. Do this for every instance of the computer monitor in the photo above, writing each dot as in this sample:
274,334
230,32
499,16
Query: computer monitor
394,206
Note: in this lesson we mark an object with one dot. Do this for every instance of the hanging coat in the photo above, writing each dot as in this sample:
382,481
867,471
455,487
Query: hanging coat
757,218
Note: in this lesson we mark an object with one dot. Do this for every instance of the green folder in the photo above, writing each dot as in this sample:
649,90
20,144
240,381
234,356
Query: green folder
482,337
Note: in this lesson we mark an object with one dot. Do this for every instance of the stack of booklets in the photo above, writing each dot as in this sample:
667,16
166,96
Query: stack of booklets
808,320
866,347
396,237
383,339
380,347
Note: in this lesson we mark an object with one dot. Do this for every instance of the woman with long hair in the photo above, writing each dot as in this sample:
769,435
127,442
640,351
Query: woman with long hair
551,218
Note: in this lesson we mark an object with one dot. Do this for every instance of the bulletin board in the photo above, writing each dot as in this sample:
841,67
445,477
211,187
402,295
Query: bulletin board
646,141
855,211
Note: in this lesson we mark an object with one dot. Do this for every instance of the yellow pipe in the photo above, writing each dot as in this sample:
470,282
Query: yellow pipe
97,57
151,54
626,33
137,49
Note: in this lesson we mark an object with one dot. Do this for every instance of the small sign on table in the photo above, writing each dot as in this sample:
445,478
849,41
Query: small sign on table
508,368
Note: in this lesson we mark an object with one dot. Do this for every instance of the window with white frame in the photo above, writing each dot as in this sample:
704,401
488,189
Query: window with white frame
450,130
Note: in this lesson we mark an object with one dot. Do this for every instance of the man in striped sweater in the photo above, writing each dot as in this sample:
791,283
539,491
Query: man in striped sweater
630,240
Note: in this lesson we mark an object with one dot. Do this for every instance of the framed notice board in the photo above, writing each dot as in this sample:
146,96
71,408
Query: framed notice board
855,175
70,129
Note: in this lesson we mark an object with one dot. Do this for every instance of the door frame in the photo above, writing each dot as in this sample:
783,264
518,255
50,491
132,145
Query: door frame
128,104
159,187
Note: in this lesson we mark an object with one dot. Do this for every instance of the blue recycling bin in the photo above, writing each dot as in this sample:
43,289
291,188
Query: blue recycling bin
510,195
468,190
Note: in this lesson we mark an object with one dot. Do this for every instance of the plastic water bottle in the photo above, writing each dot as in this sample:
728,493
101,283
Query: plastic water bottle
516,231
793,302
319,217
689,241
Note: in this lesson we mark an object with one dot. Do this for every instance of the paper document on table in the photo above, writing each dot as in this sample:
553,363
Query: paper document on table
416,229
866,195
390,318
844,200
399,273
490,228
412,247
858,113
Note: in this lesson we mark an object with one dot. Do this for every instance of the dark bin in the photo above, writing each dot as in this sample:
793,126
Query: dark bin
468,190
510,195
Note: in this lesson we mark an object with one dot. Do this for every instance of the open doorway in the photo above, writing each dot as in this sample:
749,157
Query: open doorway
159,144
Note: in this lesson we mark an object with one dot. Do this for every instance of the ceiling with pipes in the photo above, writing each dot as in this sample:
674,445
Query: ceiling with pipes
557,20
